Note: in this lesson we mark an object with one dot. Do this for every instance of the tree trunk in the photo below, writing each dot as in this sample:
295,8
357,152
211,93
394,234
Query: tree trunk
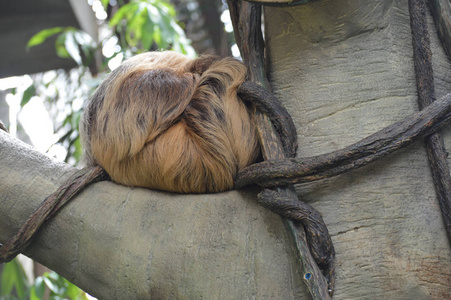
344,70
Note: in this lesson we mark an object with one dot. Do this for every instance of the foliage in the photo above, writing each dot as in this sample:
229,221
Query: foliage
71,43
14,285
59,287
140,25
13,278
145,22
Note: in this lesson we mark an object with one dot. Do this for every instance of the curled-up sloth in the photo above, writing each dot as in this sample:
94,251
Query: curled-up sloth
160,121
167,122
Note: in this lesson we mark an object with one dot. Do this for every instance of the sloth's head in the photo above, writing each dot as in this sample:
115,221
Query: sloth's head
167,122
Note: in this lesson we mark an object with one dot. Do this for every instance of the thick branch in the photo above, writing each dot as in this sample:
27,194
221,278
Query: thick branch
123,243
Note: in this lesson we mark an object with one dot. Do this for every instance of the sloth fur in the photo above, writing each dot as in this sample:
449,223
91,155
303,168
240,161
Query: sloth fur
167,122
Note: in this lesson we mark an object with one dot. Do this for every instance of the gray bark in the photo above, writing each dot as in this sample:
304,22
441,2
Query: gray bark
344,69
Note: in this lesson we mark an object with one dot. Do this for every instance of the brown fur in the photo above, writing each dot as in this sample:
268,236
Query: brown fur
164,121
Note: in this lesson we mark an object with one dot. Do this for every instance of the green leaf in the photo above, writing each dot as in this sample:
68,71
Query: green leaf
135,24
8,277
86,45
125,11
38,289
60,46
167,31
177,29
72,291
76,118
158,38
42,35
72,48
148,22
105,3
147,36
167,8
154,14
177,47
119,15
13,276
50,284
27,94
78,152
52,275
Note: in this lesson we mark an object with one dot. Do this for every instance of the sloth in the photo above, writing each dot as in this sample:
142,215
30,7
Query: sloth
160,121
167,122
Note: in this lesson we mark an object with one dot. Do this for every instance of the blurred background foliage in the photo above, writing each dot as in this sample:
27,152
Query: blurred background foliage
14,285
126,28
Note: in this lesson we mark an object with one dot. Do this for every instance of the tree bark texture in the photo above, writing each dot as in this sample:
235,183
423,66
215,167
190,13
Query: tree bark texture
131,243
344,69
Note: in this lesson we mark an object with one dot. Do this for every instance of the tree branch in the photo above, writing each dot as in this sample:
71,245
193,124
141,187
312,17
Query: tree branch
131,243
